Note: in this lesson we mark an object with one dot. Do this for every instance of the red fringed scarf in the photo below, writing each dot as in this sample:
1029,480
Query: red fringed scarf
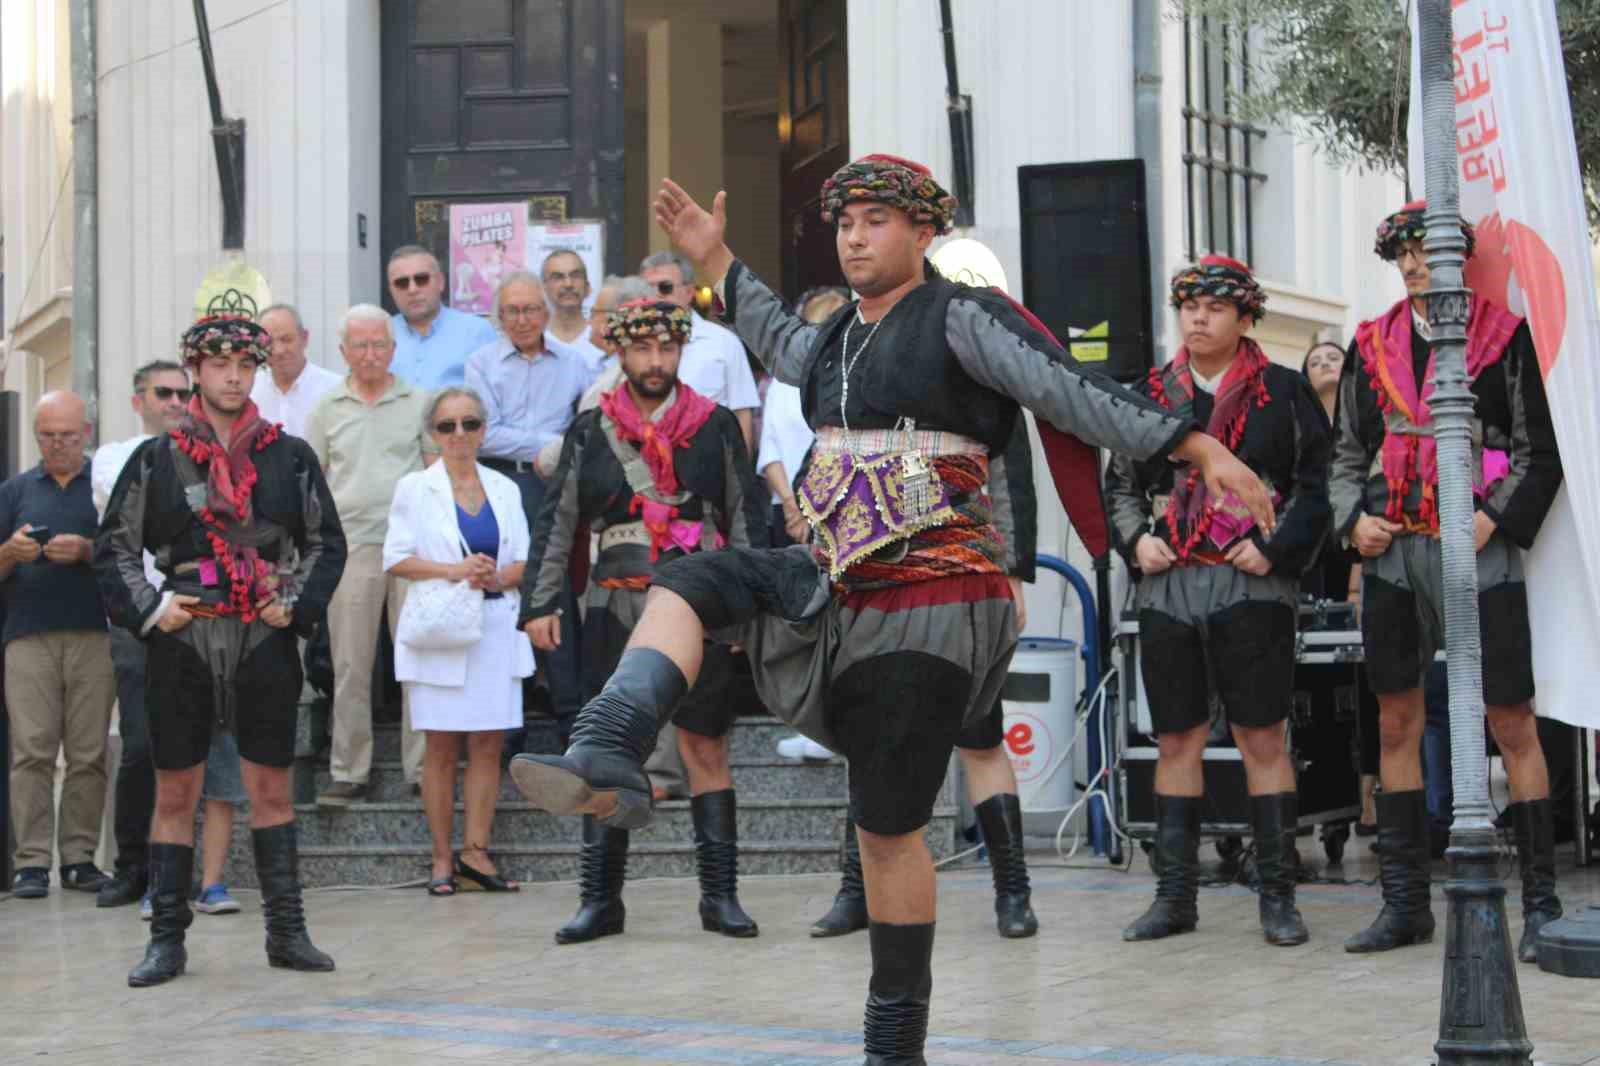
230,480
1385,347
656,441
1190,511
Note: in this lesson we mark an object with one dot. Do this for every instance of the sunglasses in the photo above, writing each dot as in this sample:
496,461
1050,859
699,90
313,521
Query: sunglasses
167,392
419,280
667,288
447,428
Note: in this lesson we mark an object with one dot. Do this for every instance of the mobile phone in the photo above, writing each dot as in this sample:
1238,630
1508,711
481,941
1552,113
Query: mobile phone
40,535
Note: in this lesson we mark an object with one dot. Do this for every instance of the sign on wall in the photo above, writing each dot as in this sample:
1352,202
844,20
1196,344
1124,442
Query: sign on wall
487,241
587,237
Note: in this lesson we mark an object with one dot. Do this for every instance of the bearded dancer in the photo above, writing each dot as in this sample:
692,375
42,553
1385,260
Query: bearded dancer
239,521
898,631
658,472
1216,596
1384,487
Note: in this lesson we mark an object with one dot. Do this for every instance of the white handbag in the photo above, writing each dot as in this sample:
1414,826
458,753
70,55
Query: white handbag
441,615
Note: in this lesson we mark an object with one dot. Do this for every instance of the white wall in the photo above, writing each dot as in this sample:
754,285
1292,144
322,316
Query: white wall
303,74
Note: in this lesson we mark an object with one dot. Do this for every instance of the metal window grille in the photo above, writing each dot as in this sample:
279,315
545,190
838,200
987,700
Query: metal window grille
1219,178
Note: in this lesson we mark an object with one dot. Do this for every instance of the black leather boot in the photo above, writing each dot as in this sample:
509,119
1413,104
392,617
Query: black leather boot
849,911
126,886
602,868
1274,819
171,877
716,856
278,870
1404,872
1177,853
615,734
1533,821
896,1027
1000,822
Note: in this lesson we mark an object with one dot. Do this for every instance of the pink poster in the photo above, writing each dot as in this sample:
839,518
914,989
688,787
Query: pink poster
487,241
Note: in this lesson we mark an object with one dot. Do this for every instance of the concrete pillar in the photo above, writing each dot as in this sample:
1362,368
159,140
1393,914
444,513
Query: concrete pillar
684,69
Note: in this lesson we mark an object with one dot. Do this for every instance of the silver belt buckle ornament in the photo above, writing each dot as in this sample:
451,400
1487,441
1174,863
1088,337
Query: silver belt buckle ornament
917,480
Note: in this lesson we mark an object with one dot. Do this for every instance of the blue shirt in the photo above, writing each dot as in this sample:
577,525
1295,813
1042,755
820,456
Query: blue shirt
528,402
437,360
41,596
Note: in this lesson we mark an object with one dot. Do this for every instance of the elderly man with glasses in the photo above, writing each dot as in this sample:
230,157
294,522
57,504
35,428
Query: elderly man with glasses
530,394
432,341
58,676
367,433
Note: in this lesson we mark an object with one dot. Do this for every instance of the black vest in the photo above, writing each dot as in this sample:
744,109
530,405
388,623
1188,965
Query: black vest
913,373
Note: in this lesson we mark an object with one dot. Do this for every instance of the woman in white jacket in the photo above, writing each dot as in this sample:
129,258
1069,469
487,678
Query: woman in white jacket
459,521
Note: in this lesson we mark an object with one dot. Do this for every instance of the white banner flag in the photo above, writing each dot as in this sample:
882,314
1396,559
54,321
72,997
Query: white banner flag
1521,189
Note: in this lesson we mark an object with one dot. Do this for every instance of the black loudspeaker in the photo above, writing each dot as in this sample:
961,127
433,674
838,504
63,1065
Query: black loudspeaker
1086,260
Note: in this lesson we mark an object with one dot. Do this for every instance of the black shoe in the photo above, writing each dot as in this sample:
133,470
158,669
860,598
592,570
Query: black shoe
127,886
602,868
1536,853
31,882
896,1025
615,734
1274,819
1177,858
171,876
1000,822
849,911
716,855
83,877
288,945
1403,870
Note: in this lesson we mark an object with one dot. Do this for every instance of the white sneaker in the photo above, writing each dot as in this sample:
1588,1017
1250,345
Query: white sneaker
801,748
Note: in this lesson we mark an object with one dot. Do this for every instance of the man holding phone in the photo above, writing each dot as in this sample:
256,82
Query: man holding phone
59,681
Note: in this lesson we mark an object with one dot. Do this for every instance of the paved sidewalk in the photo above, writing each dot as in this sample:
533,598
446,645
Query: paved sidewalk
433,981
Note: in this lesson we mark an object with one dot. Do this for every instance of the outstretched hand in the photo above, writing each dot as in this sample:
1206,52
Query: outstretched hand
694,231
1224,473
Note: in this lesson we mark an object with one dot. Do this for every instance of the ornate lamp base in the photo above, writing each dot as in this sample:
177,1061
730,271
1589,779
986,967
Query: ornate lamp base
1480,1012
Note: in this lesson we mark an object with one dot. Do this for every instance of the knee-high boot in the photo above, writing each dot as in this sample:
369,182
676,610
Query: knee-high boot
849,911
1403,870
896,1028
602,868
1177,852
1274,819
1000,821
1536,852
171,875
716,854
615,734
289,947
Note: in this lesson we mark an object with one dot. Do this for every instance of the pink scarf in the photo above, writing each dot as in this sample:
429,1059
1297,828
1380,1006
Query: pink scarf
1192,516
1385,347
656,441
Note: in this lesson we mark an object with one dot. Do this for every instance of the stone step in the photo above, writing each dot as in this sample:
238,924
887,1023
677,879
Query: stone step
753,737
755,779
323,866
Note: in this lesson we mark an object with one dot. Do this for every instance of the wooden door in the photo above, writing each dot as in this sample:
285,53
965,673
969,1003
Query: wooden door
814,131
501,100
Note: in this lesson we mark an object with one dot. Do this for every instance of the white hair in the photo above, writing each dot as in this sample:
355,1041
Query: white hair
365,313
516,277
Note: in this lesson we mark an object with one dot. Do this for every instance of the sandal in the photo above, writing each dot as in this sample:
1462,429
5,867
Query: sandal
481,881
442,886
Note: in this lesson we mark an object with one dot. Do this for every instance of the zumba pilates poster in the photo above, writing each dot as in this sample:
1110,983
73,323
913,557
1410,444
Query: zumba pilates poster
487,242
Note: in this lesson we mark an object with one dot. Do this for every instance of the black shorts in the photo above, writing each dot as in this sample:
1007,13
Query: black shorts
1243,653
708,709
985,733
181,707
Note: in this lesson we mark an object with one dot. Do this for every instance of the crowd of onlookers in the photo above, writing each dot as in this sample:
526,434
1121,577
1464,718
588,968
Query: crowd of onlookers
428,388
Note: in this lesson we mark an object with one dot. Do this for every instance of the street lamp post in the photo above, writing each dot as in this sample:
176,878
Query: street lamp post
1480,1009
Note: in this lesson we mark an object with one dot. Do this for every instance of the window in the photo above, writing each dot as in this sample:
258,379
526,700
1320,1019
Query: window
1220,181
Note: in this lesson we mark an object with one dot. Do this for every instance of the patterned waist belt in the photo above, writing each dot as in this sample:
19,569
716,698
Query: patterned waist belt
928,442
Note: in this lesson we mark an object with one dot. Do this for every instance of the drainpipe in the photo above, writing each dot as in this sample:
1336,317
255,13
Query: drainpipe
85,217
1147,20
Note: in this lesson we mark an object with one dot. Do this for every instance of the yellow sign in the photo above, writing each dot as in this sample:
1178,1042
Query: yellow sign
1084,348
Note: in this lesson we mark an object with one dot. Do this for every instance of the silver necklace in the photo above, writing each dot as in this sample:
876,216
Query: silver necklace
847,364
918,480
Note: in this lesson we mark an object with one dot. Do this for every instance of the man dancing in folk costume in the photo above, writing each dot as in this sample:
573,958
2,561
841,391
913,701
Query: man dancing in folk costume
1216,594
239,520
1384,488
897,632
659,472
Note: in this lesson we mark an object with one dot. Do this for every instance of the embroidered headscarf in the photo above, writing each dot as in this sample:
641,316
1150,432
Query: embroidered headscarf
1406,224
230,471
888,179
1228,279
649,319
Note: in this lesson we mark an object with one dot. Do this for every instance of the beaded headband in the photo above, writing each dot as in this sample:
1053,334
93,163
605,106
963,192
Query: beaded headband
649,320
1219,276
893,181
1406,224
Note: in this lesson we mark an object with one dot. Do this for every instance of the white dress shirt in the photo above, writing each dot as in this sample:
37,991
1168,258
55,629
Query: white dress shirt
104,469
715,366
581,346
784,433
292,406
